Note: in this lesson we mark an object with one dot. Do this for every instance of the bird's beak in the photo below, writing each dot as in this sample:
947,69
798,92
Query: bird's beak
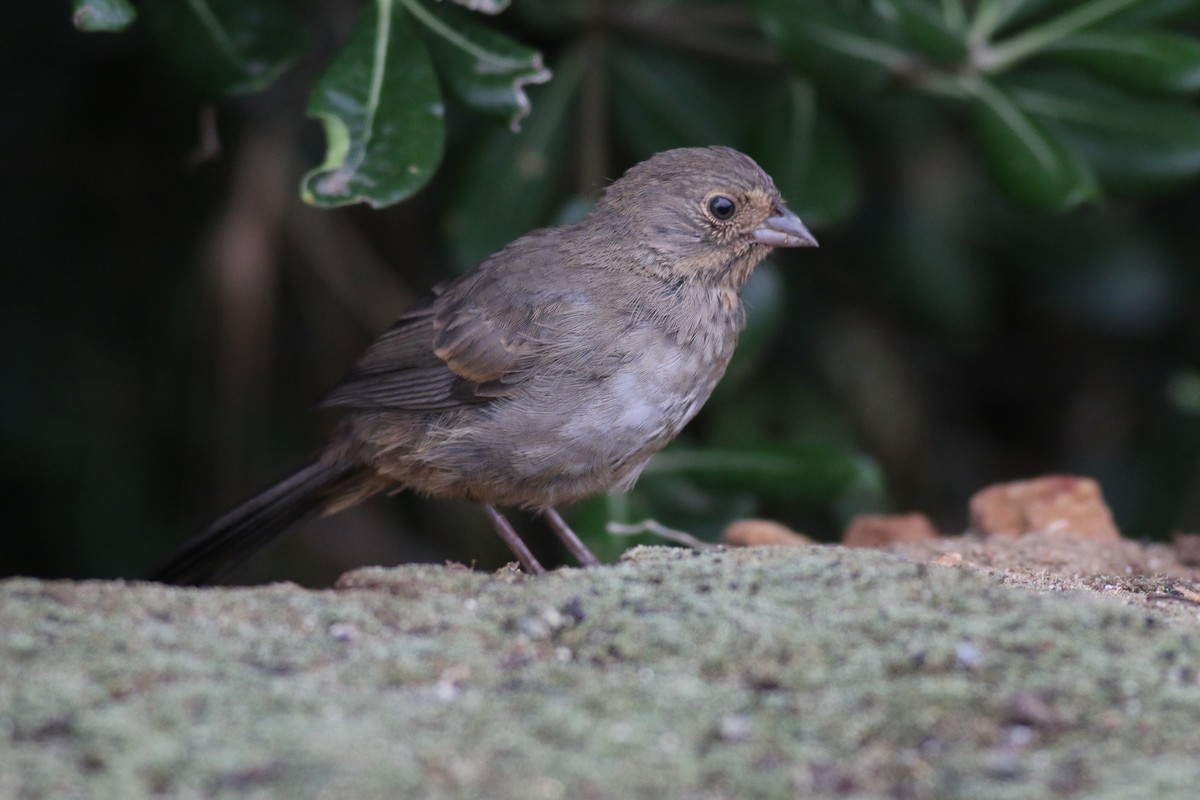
783,229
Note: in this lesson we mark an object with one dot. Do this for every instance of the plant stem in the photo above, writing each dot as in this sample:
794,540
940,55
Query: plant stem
210,23
494,60
990,16
954,14
1006,54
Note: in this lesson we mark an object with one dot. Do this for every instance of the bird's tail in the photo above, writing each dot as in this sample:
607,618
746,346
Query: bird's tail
253,525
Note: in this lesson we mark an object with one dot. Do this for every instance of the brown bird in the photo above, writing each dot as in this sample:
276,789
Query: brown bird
549,373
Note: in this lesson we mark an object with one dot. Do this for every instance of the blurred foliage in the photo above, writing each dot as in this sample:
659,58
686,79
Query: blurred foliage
1004,191
103,15
1058,92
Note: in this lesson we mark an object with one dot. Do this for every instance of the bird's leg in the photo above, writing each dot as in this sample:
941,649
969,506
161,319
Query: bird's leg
519,548
568,538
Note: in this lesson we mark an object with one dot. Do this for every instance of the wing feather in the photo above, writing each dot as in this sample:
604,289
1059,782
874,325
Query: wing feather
452,349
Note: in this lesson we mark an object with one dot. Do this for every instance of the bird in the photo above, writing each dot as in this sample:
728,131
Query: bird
550,372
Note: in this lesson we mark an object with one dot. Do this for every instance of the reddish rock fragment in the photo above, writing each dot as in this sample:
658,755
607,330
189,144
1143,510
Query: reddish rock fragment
756,532
948,560
1058,504
1028,708
880,530
1187,548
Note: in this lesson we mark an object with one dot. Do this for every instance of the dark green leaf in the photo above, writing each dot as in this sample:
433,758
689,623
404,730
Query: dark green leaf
484,6
382,110
779,404
992,16
810,471
102,15
1041,35
552,18
1031,163
845,48
662,100
809,158
486,70
226,47
506,184
1147,60
925,26
1148,12
1132,144
995,16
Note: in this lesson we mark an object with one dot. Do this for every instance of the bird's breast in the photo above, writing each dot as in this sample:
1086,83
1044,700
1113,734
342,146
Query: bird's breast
665,371
588,419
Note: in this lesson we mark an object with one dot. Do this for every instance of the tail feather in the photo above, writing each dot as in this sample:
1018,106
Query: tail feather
245,530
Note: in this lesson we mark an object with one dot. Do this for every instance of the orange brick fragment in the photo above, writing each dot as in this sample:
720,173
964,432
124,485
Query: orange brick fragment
880,530
754,532
1065,504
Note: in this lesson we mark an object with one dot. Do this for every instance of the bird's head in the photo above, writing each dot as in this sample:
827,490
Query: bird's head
708,213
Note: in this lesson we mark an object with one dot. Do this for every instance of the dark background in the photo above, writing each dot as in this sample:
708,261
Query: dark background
171,312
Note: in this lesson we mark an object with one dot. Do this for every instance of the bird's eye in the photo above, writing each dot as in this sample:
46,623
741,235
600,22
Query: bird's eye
721,207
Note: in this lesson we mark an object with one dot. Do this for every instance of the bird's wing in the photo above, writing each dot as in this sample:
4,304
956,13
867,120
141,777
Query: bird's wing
469,345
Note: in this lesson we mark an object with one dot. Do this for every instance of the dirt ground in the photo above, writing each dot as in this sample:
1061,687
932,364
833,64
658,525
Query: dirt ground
1050,533
1151,574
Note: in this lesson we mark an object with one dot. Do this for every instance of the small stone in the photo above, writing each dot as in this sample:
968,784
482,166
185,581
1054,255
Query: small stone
967,655
948,560
759,532
880,530
1058,504
734,728
1187,548
450,682
1030,710
343,632
1020,736
535,627
573,610
1004,764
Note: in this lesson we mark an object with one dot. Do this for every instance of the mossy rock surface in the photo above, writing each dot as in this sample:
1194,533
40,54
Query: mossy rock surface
766,672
